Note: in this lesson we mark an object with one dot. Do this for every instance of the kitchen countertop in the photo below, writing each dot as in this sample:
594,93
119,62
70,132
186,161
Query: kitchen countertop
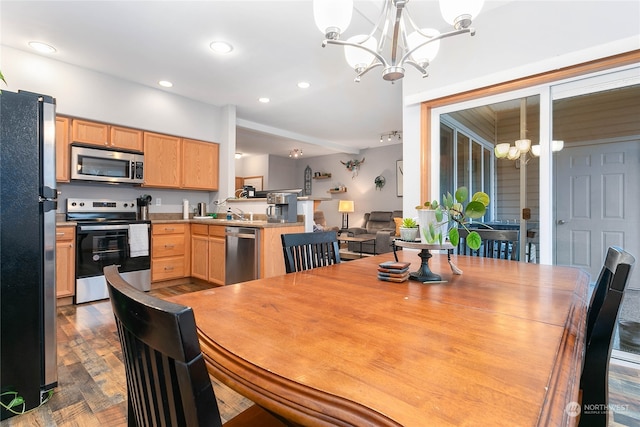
169,218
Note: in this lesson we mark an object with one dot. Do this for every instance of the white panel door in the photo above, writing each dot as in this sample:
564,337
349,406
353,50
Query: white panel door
598,194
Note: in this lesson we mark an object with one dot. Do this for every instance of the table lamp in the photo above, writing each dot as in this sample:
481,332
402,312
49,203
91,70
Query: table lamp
345,207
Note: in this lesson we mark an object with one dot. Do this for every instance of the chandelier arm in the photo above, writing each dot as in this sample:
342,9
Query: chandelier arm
419,67
346,43
438,37
369,68
396,32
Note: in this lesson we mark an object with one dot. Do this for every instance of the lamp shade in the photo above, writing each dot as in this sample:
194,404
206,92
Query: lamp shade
345,206
502,150
332,14
535,150
360,58
557,145
428,52
523,145
514,153
460,13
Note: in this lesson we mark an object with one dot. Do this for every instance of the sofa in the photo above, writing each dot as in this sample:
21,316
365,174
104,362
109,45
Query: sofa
378,223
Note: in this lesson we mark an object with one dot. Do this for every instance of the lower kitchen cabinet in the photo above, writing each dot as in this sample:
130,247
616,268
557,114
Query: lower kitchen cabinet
65,261
169,251
207,252
271,256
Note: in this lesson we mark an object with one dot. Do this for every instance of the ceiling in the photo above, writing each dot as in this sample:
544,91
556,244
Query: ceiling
276,45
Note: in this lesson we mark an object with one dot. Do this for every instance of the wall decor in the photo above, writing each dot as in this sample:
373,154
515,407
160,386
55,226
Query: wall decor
379,182
307,181
399,178
353,166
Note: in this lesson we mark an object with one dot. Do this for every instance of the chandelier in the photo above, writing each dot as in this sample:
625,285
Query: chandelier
295,153
523,146
391,135
410,44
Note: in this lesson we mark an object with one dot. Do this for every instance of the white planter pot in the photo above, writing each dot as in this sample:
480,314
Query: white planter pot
426,217
408,234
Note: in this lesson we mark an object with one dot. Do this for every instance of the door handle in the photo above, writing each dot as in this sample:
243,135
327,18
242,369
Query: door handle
561,222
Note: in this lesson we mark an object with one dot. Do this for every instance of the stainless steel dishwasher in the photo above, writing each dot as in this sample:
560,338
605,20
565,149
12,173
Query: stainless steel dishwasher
242,262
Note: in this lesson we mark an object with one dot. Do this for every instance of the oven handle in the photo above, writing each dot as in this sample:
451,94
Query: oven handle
104,227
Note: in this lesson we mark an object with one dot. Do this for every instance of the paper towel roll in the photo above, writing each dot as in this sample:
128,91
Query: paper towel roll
185,209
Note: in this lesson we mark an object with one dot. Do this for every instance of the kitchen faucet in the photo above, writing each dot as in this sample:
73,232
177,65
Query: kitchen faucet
239,215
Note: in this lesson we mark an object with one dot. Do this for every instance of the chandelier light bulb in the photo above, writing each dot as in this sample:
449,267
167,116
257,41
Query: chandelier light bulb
426,53
460,13
535,150
523,145
332,16
514,153
502,150
557,145
359,58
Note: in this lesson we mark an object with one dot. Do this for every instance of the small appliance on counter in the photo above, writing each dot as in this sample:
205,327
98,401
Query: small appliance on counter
143,203
283,207
201,210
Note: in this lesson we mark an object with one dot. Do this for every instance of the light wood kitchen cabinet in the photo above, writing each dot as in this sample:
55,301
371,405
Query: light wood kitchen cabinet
62,149
271,257
200,165
200,251
217,254
65,261
126,138
169,251
207,249
106,136
162,160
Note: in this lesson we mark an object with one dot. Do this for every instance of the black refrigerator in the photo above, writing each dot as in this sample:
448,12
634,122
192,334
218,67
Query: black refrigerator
28,202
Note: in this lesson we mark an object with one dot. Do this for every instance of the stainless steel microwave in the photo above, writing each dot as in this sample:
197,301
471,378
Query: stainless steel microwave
95,164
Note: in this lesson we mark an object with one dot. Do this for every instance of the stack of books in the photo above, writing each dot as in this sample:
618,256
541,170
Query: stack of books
391,271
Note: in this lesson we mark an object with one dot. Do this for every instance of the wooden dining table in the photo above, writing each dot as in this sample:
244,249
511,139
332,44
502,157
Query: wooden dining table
501,344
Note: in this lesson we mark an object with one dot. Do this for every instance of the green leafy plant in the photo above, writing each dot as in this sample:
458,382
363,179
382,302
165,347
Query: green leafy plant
409,223
456,214
2,78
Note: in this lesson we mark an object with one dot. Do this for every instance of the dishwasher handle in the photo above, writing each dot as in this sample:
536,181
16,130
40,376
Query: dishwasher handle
242,233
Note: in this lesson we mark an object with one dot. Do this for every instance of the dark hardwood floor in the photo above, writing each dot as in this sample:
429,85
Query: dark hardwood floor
92,387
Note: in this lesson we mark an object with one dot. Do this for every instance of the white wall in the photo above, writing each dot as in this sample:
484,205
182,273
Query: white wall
361,189
96,96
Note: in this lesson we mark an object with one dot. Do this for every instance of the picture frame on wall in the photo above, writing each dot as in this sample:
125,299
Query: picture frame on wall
399,178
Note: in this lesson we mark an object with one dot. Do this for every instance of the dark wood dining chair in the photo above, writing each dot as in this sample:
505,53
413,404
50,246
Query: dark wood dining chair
501,244
304,251
167,379
602,315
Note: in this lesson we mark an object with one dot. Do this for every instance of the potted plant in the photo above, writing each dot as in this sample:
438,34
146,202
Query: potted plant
453,213
409,230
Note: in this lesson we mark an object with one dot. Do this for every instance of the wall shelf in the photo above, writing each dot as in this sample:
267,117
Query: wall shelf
337,191
327,176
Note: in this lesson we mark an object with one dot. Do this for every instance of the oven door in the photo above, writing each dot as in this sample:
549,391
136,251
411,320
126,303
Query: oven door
99,245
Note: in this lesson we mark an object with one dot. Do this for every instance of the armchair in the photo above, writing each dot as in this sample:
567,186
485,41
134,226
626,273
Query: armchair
380,224
318,219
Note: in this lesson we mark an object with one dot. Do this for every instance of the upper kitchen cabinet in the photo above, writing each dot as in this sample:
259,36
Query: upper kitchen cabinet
62,149
106,136
162,160
200,163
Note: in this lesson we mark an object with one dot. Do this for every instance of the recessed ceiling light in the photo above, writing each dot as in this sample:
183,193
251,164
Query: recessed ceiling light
220,47
165,83
42,47
303,85
264,100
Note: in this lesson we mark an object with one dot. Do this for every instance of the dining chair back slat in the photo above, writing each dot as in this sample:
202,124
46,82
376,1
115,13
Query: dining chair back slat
167,379
501,244
602,316
304,251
